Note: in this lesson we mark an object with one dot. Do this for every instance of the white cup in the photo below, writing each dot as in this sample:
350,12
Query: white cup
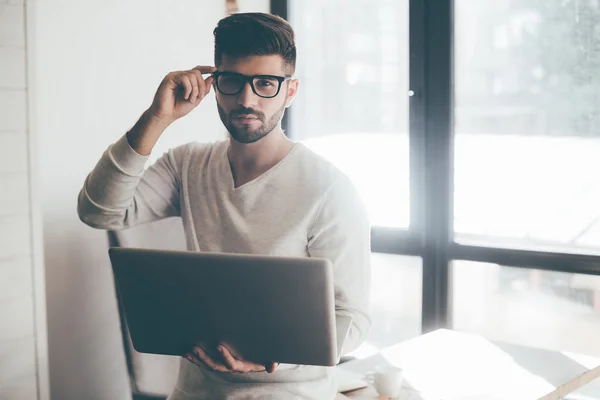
387,381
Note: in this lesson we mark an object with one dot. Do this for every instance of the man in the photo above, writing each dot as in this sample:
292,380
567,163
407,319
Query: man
256,193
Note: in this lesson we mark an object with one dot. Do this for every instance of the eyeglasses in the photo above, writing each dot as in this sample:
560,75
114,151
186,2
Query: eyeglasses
265,86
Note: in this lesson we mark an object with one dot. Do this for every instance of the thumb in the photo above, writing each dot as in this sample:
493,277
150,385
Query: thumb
271,367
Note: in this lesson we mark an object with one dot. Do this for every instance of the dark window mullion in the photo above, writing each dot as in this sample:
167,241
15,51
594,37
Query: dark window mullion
431,136
280,7
543,260
395,241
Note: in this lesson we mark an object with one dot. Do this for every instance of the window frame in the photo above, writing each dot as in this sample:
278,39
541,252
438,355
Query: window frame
431,137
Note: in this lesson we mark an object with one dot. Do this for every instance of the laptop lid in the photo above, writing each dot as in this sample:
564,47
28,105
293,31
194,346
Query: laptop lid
264,308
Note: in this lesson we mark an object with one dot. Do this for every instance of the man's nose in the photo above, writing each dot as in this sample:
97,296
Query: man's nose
247,98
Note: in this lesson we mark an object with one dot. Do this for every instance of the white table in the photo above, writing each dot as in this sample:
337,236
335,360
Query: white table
449,365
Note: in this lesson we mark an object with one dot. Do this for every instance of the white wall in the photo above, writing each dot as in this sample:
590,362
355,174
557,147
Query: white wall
23,343
95,68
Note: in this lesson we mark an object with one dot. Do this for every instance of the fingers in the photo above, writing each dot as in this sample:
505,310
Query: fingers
208,361
193,86
194,360
201,84
188,87
230,362
209,82
205,69
184,81
235,365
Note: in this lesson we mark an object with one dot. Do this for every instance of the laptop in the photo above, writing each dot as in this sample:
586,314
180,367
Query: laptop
264,308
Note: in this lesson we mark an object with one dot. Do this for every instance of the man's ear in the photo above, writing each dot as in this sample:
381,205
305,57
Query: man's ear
292,90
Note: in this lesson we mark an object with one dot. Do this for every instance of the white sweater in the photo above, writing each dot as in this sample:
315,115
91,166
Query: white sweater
303,207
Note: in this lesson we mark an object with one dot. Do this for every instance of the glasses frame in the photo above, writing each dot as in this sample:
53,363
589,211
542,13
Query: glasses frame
249,79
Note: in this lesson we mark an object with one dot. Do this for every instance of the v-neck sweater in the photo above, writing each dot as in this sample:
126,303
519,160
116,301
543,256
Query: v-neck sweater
301,207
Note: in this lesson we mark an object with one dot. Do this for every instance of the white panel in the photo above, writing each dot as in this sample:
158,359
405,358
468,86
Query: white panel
13,112
14,196
89,84
16,318
17,360
13,152
14,236
12,25
12,67
23,389
15,278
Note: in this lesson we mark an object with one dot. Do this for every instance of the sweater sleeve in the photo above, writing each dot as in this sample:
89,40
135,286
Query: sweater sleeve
341,233
119,194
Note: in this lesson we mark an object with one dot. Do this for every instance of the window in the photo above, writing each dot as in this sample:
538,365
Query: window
352,106
527,79
552,310
496,150
395,299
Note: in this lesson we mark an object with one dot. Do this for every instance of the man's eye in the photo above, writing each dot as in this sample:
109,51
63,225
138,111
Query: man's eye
264,83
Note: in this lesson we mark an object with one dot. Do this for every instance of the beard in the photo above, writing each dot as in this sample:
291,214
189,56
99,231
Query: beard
246,134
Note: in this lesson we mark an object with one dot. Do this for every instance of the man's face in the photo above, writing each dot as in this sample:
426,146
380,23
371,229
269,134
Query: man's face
247,116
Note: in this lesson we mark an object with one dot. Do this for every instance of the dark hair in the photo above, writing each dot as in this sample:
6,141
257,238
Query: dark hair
260,34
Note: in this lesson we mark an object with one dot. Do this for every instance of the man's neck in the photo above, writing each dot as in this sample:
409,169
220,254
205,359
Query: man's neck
249,161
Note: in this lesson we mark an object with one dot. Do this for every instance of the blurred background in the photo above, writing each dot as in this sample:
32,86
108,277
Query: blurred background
524,81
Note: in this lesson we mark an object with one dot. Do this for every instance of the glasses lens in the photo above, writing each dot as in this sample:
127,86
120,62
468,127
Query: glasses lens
265,86
230,83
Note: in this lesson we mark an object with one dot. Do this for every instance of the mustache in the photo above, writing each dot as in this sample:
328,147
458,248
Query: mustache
246,111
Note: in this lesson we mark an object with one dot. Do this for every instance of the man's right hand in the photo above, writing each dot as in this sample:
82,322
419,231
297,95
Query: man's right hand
227,362
180,92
